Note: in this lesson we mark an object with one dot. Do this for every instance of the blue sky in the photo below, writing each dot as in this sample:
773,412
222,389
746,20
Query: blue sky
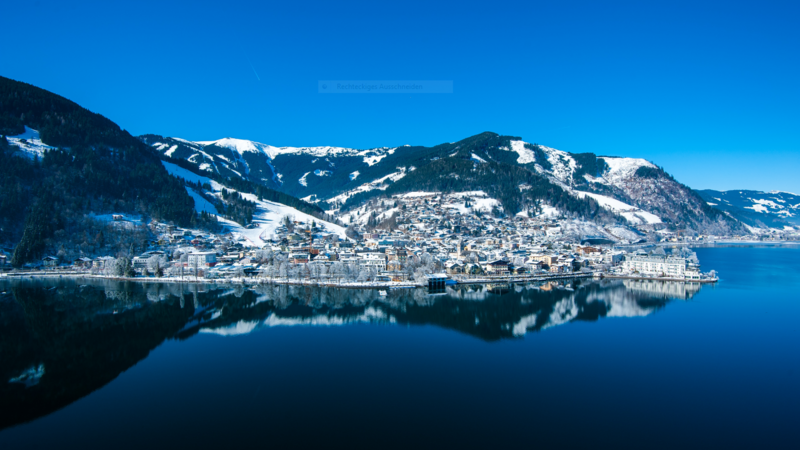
707,90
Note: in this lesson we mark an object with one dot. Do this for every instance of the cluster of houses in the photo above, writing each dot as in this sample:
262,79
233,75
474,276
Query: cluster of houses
397,240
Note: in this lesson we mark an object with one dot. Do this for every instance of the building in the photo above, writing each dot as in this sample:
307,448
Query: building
497,267
373,260
662,266
49,261
103,262
613,258
83,262
201,259
437,280
139,262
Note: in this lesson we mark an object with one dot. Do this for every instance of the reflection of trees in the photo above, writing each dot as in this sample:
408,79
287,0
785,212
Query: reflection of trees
85,335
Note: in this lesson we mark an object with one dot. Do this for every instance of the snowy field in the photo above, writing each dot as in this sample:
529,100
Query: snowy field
30,143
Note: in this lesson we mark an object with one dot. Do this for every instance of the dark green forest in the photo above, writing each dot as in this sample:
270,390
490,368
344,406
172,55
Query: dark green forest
97,168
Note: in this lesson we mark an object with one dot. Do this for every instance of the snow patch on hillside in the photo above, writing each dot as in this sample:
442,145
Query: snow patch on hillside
303,180
550,211
562,164
171,151
758,207
621,169
526,155
30,143
187,175
418,194
372,160
477,158
592,179
200,203
479,201
240,146
631,213
355,175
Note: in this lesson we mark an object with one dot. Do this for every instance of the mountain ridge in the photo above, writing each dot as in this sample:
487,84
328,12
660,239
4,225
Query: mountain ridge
346,176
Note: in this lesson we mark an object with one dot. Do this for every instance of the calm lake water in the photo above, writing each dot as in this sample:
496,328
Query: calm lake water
579,364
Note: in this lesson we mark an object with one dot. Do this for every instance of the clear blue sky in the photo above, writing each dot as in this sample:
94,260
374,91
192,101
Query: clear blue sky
709,90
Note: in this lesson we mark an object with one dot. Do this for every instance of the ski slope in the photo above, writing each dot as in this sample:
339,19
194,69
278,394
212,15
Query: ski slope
266,219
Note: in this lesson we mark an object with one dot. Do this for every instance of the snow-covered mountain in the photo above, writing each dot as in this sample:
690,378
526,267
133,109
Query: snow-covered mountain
285,168
773,209
633,188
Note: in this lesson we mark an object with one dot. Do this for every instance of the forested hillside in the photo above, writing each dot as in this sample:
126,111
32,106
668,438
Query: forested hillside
95,167
516,188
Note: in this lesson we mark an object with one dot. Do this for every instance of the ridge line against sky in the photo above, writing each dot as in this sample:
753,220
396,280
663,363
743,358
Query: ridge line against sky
708,91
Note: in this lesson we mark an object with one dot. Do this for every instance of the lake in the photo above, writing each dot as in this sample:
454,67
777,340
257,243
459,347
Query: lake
582,363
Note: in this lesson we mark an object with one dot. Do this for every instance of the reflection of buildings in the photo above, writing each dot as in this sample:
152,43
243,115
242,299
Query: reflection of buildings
499,289
663,289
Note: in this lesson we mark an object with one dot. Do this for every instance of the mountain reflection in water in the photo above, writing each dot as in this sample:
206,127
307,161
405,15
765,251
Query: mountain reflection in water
61,340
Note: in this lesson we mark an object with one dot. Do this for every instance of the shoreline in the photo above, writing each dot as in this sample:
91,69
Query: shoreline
725,242
240,281
317,283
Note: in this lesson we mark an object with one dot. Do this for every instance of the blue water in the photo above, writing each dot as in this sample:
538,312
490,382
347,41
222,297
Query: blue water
718,369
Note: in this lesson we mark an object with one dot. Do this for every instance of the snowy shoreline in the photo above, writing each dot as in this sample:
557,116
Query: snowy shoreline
242,281
320,283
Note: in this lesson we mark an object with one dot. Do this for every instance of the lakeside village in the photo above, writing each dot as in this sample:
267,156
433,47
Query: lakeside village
427,240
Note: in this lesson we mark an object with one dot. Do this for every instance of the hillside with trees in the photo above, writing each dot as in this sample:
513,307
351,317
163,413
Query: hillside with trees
95,168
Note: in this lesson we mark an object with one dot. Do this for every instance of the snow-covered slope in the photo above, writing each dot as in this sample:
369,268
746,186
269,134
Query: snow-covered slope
243,146
621,170
633,214
266,219
283,168
29,143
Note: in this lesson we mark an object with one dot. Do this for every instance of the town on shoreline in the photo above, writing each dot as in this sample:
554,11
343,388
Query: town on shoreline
421,244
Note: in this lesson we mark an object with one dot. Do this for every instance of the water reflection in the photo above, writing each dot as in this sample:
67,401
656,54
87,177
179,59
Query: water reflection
61,340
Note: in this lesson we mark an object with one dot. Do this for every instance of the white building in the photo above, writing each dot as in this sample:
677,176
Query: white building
202,259
373,260
659,265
